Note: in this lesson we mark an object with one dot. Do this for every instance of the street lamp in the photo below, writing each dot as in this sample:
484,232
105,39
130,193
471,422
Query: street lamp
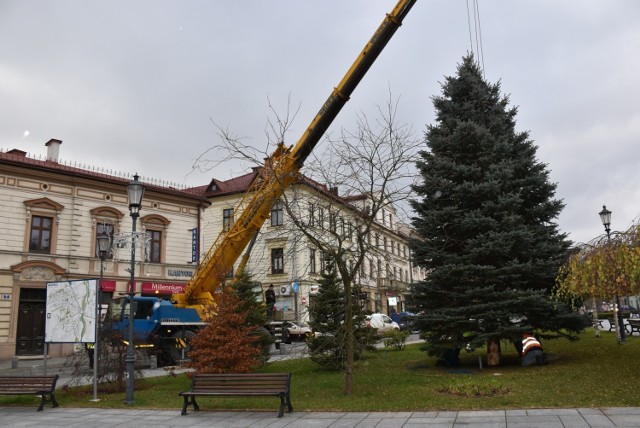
104,242
605,217
135,191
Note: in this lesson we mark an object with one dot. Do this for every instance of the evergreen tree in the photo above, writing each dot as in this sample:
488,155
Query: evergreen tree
327,314
485,224
249,291
250,294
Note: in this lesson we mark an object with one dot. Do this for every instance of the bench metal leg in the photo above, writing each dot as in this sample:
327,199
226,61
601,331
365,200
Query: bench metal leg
282,402
53,400
187,401
289,403
285,400
42,400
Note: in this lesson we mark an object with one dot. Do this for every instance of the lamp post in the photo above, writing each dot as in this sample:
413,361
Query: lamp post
605,217
135,191
104,242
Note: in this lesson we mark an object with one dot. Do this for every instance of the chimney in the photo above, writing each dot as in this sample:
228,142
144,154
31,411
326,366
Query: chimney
333,190
53,148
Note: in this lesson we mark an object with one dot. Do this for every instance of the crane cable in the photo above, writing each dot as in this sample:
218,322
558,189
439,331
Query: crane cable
477,30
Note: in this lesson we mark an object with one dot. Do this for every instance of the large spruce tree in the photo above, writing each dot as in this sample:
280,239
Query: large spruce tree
484,217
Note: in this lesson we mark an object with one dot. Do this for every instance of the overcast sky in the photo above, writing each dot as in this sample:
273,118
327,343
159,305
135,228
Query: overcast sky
135,85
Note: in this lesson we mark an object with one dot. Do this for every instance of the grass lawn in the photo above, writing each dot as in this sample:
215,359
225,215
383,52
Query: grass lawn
588,373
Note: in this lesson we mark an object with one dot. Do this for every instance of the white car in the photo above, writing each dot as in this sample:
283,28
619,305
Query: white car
298,330
381,322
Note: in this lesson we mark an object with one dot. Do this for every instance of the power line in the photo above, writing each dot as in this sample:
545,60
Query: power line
475,31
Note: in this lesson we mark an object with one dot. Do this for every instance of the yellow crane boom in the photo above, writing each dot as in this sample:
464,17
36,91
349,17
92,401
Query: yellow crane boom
281,169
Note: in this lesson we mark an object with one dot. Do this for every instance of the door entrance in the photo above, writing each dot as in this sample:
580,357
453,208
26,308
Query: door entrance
31,322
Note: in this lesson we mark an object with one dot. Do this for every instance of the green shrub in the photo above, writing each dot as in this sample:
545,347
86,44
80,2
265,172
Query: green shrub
395,339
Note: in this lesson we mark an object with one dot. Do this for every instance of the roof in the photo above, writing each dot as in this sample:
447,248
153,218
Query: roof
19,158
241,184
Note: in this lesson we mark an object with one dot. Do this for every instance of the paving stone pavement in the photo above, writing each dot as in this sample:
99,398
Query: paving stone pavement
90,417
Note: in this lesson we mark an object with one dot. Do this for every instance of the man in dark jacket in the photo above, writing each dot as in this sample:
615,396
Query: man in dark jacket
270,300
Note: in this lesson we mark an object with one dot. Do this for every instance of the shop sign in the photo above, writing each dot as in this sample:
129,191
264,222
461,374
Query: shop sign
108,286
179,273
162,288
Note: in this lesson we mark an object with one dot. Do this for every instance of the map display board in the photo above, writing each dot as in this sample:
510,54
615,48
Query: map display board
71,311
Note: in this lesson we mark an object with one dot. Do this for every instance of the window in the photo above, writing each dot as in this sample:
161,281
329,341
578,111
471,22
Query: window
333,223
276,214
43,216
324,262
156,226
321,218
227,219
155,246
41,229
312,260
393,247
371,269
277,260
384,240
107,228
312,215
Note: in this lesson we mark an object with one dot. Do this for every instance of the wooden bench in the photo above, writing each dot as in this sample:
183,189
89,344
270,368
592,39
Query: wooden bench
632,325
239,385
31,385
612,324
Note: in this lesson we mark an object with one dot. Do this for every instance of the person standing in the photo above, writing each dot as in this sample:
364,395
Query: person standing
270,300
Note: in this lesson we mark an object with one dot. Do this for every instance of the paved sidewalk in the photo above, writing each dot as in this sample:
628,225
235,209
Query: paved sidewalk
89,417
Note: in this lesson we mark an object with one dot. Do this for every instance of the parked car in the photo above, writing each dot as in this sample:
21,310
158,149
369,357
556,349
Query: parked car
298,330
626,308
381,322
406,321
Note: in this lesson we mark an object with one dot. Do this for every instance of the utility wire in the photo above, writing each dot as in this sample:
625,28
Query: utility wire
475,31
479,36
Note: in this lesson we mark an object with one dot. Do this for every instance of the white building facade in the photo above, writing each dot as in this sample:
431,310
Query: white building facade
285,257
50,216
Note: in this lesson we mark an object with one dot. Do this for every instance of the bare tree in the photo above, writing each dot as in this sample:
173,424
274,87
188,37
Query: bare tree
358,177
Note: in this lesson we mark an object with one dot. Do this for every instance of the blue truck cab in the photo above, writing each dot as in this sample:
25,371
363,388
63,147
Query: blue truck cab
157,325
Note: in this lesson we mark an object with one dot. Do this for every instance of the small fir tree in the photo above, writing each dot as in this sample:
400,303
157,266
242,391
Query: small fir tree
485,224
250,293
327,314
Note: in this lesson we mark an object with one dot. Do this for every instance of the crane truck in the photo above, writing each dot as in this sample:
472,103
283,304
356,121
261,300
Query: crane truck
166,325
